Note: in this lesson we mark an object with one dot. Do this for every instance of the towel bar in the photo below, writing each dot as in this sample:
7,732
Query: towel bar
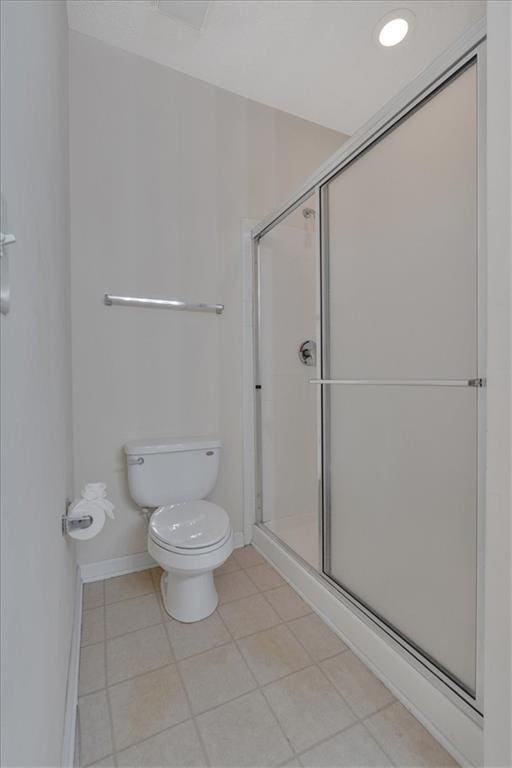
132,301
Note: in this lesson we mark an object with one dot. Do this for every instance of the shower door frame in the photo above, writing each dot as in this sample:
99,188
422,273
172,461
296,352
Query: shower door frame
468,50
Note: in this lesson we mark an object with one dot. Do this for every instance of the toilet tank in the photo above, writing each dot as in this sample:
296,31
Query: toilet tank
168,470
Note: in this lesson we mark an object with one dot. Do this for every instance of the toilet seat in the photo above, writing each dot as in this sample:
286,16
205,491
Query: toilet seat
190,527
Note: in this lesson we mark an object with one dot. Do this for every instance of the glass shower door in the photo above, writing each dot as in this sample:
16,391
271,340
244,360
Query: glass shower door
288,330
401,362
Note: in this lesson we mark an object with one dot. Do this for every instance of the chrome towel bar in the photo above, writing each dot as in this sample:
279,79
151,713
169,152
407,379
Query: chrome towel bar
133,301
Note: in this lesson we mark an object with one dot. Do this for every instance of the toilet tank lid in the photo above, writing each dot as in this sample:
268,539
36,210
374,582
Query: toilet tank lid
169,445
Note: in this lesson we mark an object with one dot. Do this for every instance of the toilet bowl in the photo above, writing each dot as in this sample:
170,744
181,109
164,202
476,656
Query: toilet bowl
188,536
189,541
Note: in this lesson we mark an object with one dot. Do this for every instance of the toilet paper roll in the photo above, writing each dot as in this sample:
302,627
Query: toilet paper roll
83,507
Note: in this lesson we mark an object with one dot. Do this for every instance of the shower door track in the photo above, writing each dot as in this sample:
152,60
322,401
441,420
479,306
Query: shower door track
468,50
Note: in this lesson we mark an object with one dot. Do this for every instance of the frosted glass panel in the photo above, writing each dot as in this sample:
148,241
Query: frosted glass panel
403,523
402,244
402,460
289,427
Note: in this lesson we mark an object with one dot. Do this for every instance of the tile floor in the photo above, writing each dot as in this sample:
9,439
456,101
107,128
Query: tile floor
261,682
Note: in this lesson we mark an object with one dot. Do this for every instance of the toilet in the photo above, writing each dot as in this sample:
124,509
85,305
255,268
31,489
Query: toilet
188,537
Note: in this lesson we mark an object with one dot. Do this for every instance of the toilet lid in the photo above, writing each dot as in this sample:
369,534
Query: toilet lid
189,524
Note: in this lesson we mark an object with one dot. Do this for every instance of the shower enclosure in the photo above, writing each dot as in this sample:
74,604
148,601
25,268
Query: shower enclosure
288,321
370,387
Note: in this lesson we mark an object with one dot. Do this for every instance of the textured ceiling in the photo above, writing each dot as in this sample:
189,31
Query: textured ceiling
313,58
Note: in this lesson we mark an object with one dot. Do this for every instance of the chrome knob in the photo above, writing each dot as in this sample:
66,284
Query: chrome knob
307,352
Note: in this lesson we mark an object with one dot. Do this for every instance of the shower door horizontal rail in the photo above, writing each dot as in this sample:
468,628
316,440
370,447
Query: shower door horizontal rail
405,382
133,301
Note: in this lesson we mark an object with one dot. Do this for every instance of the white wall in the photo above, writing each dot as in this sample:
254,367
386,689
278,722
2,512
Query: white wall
498,558
163,170
38,565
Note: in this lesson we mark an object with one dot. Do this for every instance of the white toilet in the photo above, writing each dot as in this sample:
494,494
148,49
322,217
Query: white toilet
188,537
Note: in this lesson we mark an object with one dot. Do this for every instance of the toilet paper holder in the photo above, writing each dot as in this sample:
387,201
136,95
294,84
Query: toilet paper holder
73,523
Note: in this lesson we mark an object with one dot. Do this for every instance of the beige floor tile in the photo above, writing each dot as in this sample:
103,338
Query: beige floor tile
247,557
93,595
130,585
137,652
247,616
265,577
215,677
92,669
93,626
197,637
287,603
156,575
363,692
405,740
229,566
95,734
129,615
316,637
354,748
273,653
179,747
233,586
308,707
243,733
146,705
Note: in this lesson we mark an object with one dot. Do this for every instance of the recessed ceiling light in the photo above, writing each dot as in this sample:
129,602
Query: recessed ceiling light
394,27
393,32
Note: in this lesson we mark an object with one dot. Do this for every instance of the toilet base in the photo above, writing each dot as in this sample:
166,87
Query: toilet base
188,598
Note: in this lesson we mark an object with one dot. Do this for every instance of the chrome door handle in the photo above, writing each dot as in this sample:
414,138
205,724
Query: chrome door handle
479,382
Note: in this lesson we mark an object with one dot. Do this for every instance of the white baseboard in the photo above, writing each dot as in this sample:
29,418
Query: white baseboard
459,734
70,713
119,566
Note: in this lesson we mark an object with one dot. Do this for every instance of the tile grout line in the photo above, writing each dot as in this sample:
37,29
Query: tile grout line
261,687
314,664
165,619
296,754
375,739
336,733
120,600
182,681
156,589
101,757
335,688
260,690
109,704
359,719
150,736
258,685
328,738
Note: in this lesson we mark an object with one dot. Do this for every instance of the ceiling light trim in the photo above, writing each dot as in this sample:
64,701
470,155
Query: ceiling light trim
183,19
397,13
